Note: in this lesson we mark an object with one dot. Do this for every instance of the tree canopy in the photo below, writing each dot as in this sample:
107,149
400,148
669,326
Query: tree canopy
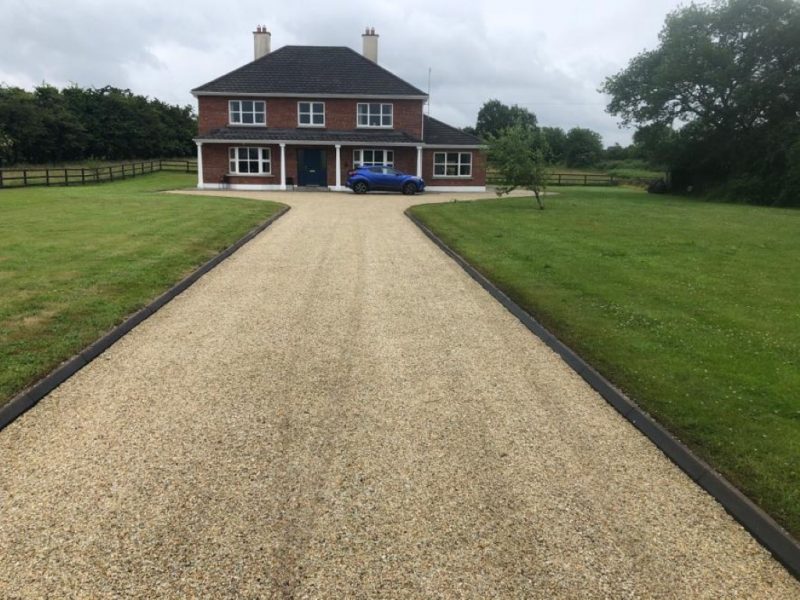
720,97
50,125
494,117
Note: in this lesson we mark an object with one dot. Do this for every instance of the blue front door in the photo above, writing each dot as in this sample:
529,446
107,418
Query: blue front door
311,167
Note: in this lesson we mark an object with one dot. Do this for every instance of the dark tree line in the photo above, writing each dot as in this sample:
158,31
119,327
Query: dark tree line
577,147
718,101
49,125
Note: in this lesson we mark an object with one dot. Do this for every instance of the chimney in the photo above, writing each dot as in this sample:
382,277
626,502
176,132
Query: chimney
370,40
261,42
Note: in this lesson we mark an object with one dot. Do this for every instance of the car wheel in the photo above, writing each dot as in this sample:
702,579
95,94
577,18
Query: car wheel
409,189
360,187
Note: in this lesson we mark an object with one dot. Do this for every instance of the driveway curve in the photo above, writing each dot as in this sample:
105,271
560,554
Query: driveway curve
338,410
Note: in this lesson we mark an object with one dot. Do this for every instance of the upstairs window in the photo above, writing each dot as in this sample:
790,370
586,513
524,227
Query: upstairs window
365,157
250,161
374,115
311,114
247,112
452,164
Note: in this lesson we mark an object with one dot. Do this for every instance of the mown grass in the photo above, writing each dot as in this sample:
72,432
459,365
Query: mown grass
76,261
692,308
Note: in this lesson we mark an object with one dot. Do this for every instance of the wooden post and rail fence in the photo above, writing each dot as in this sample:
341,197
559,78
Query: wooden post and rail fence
50,176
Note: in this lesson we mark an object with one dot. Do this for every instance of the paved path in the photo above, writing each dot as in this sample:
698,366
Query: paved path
339,411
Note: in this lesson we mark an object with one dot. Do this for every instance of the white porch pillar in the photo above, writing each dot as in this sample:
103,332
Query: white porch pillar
338,167
283,166
419,161
199,165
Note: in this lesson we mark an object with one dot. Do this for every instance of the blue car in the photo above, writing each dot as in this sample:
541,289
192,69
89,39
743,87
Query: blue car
386,179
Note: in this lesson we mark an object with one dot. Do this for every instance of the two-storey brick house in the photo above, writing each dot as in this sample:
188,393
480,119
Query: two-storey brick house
305,115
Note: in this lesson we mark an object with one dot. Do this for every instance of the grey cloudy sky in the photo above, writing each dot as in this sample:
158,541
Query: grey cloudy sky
549,56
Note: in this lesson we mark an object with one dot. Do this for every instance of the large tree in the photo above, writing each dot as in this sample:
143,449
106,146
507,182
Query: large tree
494,117
583,147
726,78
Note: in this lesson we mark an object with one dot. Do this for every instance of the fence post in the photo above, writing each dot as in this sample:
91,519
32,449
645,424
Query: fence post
66,176
97,174
1,177
187,166
47,176
559,179
585,179
25,177
110,174
83,176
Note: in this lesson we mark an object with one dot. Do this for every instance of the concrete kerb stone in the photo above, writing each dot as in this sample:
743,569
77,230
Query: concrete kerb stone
29,397
758,523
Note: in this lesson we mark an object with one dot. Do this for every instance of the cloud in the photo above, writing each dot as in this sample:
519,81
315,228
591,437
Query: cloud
549,57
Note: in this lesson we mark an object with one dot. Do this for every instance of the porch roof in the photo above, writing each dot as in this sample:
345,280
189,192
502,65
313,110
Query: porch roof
308,136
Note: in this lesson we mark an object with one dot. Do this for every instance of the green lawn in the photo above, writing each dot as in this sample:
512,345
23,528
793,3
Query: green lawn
75,261
692,308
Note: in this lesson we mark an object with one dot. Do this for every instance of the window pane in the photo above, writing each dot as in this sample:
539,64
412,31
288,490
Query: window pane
247,117
362,109
452,169
390,156
466,158
259,117
232,166
438,158
319,107
375,120
452,157
235,105
438,169
265,168
464,170
362,120
374,109
253,166
231,152
304,119
318,119
387,120
304,107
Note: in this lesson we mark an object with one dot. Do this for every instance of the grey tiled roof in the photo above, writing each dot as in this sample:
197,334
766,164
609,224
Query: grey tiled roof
439,133
311,70
256,134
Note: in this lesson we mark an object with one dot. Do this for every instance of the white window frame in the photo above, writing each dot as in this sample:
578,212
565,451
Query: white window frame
310,113
441,159
382,112
254,112
359,157
264,156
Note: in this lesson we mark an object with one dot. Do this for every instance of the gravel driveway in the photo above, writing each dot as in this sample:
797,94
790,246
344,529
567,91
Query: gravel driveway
338,410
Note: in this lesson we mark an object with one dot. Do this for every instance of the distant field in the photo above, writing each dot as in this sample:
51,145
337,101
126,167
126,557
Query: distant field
692,308
76,261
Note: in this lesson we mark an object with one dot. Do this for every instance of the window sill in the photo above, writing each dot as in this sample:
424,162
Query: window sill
452,176
247,124
374,127
249,175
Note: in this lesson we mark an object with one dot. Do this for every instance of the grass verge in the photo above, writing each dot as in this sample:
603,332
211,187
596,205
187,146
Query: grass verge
691,308
74,262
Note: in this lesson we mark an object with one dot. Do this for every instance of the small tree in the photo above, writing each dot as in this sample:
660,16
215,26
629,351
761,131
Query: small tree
519,155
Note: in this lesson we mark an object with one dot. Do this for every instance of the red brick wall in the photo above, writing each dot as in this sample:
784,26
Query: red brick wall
215,165
478,169
340,113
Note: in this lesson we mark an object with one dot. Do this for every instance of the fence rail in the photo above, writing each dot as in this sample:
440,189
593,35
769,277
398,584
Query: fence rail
565,179
10,178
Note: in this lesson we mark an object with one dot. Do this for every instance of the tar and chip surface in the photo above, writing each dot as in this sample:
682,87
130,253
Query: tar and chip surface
339,411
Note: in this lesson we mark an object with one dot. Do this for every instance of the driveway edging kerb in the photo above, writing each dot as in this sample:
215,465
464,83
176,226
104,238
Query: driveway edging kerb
758,523
29,397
